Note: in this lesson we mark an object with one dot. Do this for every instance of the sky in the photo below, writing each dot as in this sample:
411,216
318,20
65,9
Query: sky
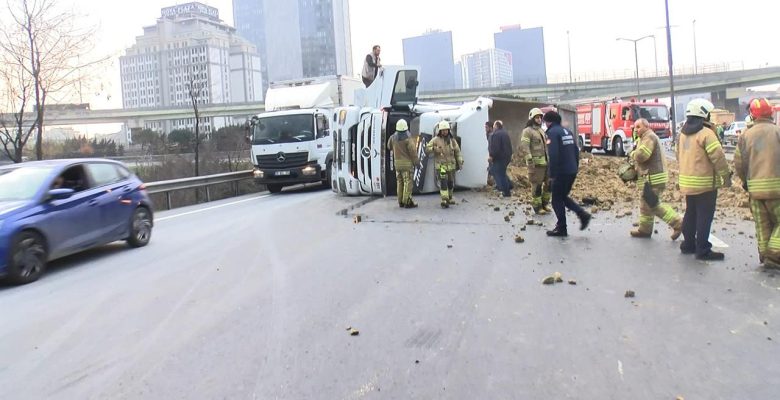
727,32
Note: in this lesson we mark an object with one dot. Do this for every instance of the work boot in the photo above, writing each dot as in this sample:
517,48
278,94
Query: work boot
547,208
410,204
711,256
640,235
686,248
451,202
445,204
558,232
769,264
676,234
401,205
585,221
540,211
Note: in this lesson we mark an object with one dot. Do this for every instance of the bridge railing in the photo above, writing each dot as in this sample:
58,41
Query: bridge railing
663,71
198,182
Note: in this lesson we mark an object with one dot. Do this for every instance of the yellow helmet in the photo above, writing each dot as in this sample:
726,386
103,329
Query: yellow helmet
535,112
699,108
401,126
444,125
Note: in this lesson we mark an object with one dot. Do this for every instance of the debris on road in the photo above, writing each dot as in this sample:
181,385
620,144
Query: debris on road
507,218
497,209
519,239
558,277
358,219
449,246
530,222
572,282
548,280
511,213
630,294
353,332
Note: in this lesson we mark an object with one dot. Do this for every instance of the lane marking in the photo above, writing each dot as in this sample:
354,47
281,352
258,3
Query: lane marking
717,242
210,208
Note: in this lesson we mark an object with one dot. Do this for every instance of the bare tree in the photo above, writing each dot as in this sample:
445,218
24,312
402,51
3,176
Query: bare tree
195,84
15,128
55,40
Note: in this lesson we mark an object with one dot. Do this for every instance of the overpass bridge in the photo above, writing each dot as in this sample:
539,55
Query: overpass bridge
719,83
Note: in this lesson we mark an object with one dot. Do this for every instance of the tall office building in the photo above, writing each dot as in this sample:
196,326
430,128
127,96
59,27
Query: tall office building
527,48
432,52
458,75
487,68
297,38
190,46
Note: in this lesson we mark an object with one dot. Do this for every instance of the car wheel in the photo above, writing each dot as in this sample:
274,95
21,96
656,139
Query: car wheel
618,147
275,188
140,228
28,258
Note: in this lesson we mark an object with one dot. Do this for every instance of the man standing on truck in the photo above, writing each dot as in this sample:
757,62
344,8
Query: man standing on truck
500,151
703,170
650,166
446,160
564,161
756,162
533,147
405,158
371,66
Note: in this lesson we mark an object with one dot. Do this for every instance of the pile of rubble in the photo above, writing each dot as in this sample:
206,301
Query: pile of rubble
599,188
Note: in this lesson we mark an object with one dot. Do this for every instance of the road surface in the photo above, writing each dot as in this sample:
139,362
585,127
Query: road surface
251,298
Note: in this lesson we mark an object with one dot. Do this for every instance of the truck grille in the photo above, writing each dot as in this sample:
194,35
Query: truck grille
282,160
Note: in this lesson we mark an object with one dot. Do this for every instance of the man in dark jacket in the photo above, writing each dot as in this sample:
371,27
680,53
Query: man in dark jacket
564,162
500,150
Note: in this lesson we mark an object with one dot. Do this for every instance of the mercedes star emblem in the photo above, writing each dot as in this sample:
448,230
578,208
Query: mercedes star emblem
281,157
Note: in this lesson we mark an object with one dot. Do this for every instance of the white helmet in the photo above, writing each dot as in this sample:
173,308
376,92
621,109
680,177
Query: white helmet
699,108
444,125
534,113
401,126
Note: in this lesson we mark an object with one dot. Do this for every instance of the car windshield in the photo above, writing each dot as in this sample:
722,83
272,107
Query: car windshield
652,113
284,129
17,184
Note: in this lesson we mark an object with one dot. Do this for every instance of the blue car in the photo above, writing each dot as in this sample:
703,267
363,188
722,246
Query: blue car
51,209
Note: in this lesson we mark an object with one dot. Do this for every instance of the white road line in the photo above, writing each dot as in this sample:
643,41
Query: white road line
718,243
210,208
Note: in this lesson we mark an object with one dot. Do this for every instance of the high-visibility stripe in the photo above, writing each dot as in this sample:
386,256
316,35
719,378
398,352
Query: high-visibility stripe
645,150
712,147
661,177
696,181
525,139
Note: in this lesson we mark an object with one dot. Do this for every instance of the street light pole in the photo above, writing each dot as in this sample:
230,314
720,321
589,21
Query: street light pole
671,72
655,52
568,42
695,53
636,57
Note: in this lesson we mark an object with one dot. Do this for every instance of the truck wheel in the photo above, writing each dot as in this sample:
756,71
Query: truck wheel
617,147
275,188
326,183
604,143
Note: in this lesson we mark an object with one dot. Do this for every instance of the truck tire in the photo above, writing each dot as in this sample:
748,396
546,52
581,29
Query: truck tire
275,188
604,143
617,147
326,183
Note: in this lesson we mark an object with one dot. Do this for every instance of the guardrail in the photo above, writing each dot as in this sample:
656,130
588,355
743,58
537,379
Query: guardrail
196,183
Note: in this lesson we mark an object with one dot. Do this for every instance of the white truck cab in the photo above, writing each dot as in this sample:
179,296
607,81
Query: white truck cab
362,164
291,142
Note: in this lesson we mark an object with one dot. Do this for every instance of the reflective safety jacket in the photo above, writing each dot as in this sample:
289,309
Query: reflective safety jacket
533,146
757,160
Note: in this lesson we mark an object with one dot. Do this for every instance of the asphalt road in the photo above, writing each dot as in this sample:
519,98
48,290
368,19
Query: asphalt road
250,298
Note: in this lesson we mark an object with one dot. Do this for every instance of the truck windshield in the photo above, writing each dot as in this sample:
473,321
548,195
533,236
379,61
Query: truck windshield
283,129
651,113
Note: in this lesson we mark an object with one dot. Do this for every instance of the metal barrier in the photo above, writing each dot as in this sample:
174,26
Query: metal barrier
197,182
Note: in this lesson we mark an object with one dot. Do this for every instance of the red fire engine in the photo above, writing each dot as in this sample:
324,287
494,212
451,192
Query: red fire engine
609,125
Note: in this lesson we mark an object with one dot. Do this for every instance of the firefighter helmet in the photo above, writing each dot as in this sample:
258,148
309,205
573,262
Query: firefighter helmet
699,108
535,112
401,126
760,108
444,125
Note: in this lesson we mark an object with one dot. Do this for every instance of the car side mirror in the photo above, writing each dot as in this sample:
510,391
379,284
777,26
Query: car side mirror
60,194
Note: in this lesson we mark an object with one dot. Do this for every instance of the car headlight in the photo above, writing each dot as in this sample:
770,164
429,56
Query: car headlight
258,173
309,170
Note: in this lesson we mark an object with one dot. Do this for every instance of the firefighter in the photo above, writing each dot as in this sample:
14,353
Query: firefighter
703,170
756,162
649,161
404,150
533,147
447,160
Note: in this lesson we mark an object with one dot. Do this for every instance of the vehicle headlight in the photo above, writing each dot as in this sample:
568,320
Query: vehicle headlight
258,173
309,170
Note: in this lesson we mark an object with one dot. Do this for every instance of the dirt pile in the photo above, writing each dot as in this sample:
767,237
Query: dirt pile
599,188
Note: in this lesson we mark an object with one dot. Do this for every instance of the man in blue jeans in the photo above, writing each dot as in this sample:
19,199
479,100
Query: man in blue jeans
564,162
500,151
